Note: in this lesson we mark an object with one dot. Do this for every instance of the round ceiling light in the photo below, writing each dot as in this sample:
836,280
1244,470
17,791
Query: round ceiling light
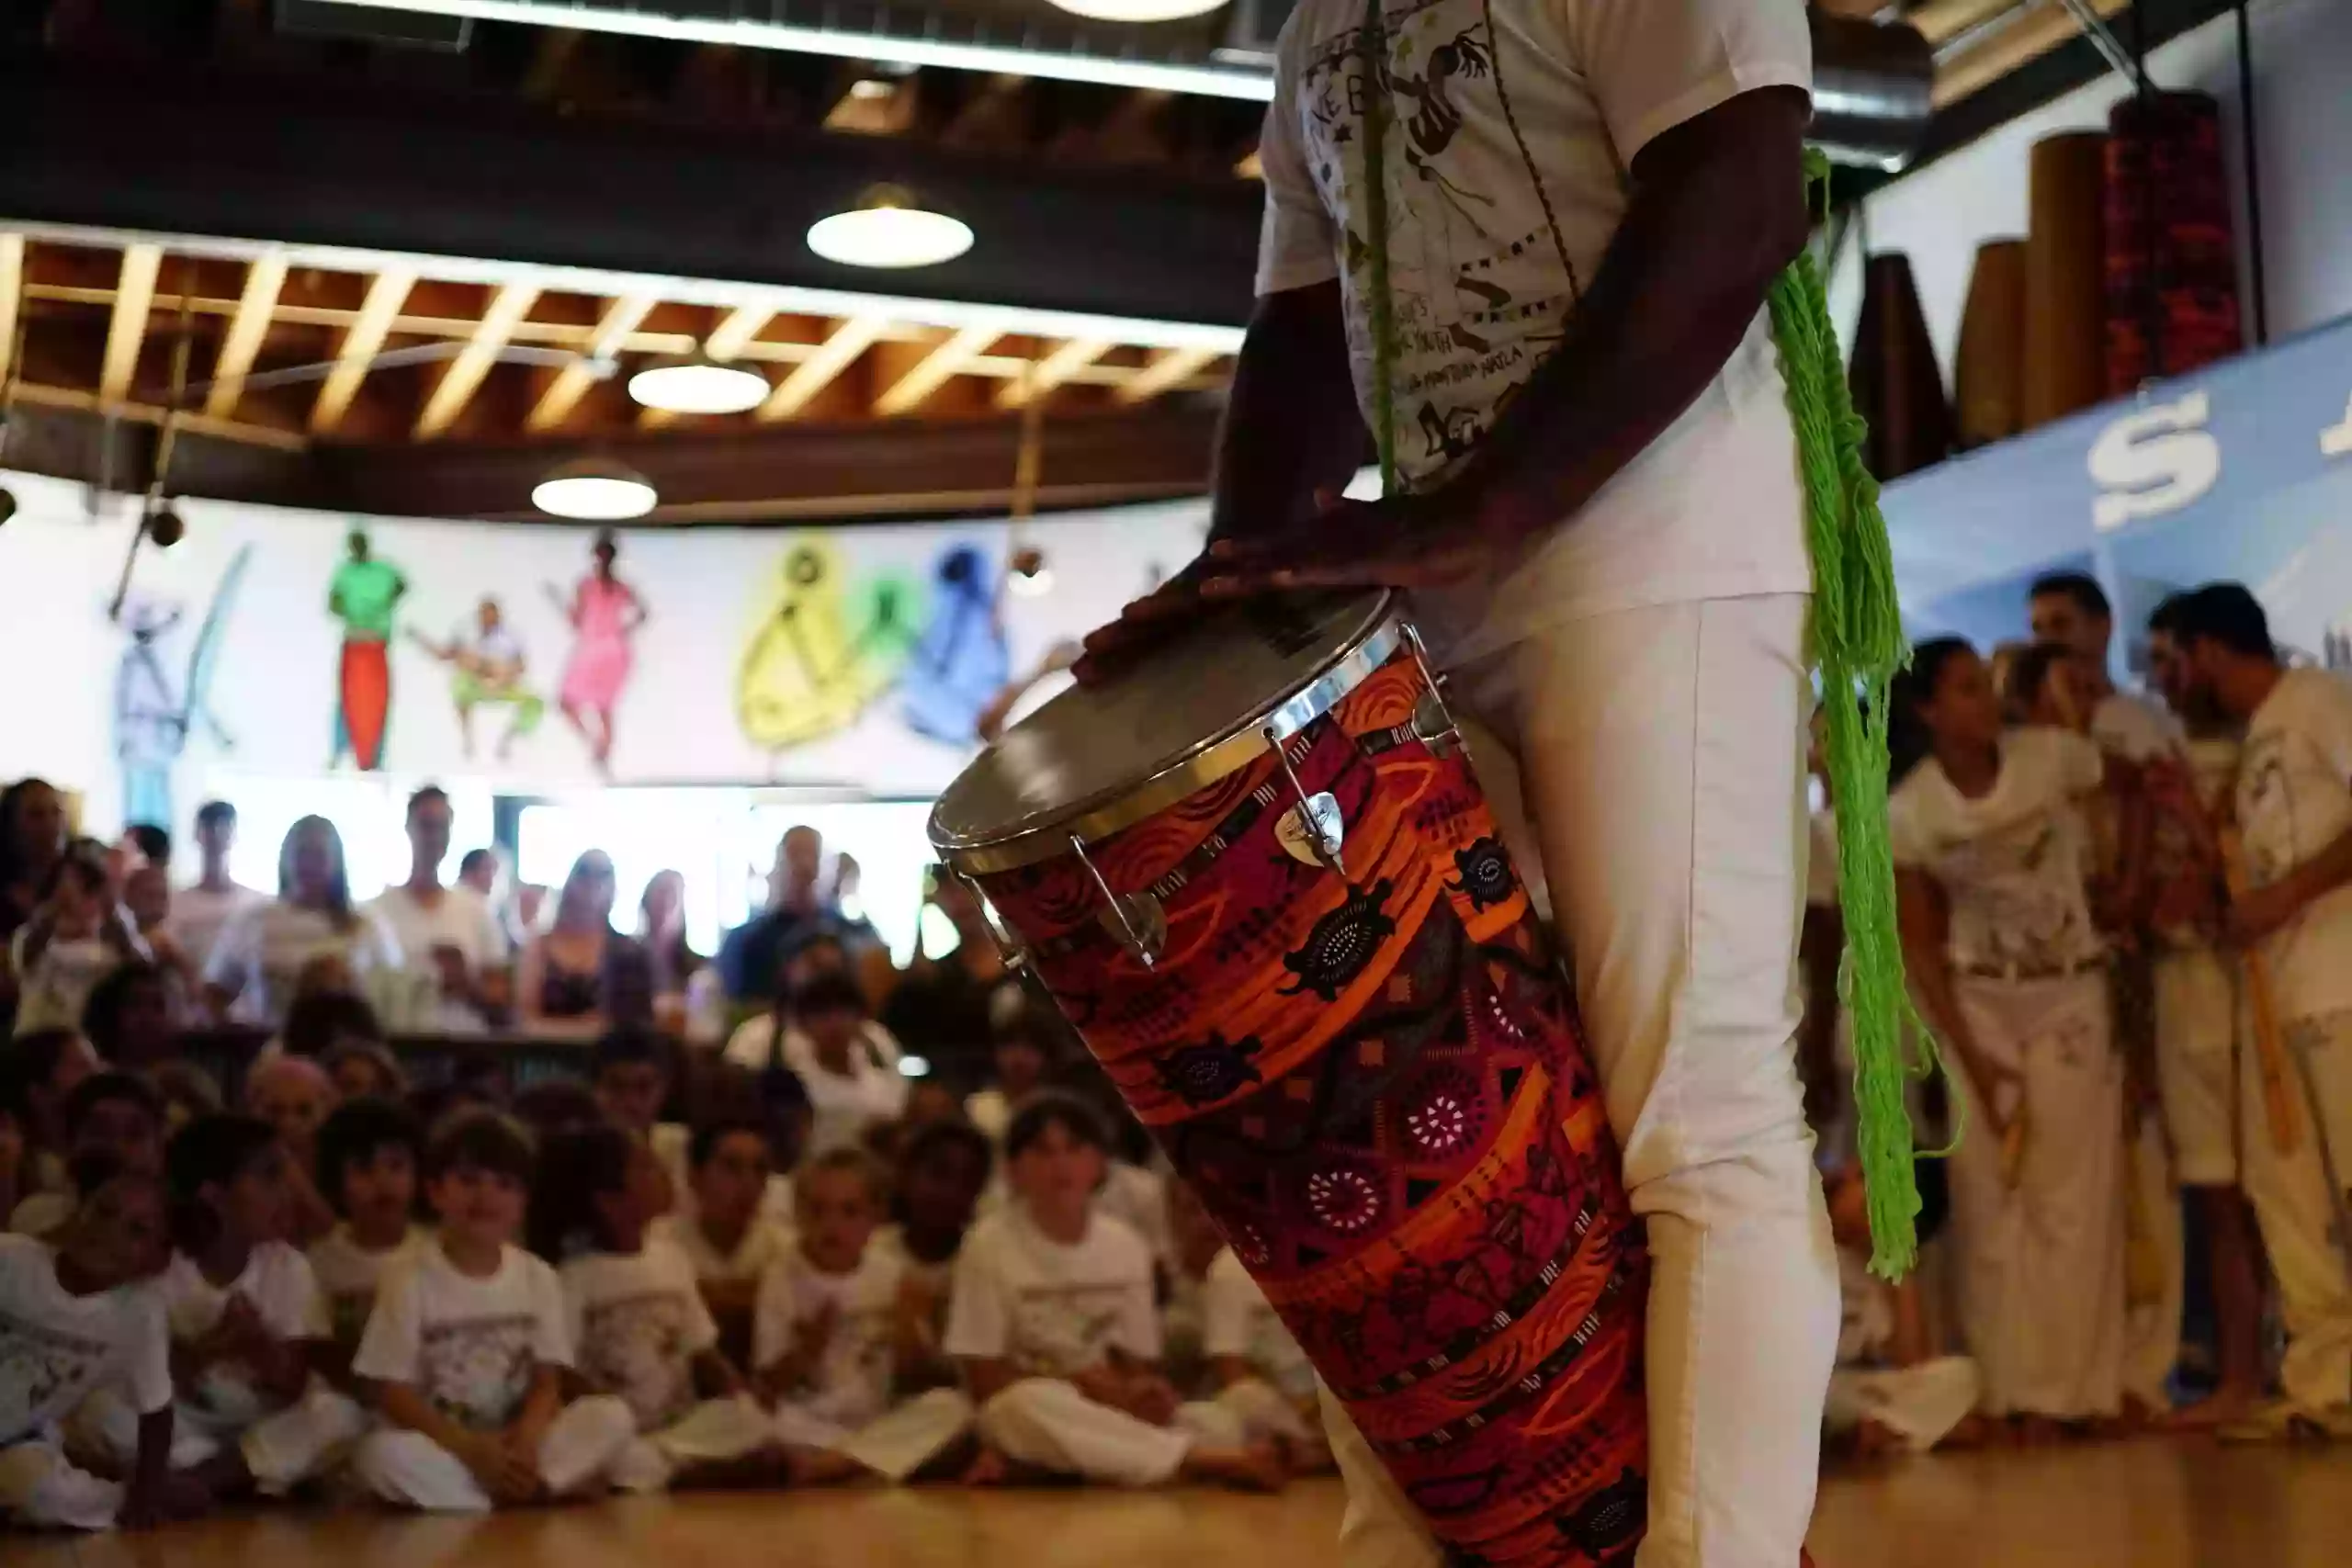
594,492
885,229
698,385
1137,10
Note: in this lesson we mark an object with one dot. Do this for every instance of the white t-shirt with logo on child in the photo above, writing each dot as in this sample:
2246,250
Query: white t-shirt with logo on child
850,1383
638,1322
57,1349
471,1346
1490,250
1048,1308
1238,1320
277,1282
349,1276
2294,798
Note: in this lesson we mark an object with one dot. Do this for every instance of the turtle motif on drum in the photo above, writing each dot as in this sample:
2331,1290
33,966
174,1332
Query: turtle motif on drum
1485,874
1342,943
1210,1070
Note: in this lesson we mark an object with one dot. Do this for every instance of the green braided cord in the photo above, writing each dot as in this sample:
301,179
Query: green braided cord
1858,637
1374,49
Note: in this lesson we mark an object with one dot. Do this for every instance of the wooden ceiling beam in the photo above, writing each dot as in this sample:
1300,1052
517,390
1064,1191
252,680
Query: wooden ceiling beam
362,340
247,329
458,384
730,337
813,375
134,295
932,371
2006,49
572,383
1167,368
12,282
1051,371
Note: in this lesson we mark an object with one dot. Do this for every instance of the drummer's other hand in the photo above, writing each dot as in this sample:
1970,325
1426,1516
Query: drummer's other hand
1402,542
1145,623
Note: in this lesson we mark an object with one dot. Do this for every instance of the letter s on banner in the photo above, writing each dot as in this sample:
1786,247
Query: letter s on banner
2153,461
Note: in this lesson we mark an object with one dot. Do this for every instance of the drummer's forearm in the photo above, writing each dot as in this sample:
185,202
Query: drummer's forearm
1291,424
1718,210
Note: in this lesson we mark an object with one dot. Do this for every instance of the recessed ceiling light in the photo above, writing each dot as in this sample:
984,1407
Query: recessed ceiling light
886,229
698,385
593,490
1137,10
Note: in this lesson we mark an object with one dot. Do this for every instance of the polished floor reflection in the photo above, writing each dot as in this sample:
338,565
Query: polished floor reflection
2143,1504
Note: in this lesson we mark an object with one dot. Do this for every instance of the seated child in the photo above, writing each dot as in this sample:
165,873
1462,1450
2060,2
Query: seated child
831,1337
1054,1322
294,1094
1888,1394
1244,1375
723,1230
77,1318
636,1070
369,1153
943,1170
469,1344
245,1315
638,1328
38,1070
1022,1047
114,1121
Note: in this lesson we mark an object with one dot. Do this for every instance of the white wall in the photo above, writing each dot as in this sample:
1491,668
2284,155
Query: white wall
2302,53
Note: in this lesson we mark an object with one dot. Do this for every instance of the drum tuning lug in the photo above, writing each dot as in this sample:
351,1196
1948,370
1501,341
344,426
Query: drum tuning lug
1008,946
1135,921
1432,724
1313,831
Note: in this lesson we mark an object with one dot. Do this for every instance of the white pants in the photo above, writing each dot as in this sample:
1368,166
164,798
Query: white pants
2041,1265
2197,1063
281,1450
1661,763
1047,1424
2154,1258
895,1444
41,1489
1253,1411
713,1432
582,1444
1920,1404
2289,1196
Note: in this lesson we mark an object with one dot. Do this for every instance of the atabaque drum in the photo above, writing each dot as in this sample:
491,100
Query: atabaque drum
1258,875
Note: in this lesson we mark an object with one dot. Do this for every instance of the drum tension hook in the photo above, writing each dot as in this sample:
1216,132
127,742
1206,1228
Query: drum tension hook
1433,722
1136,919
1008,946
1316,817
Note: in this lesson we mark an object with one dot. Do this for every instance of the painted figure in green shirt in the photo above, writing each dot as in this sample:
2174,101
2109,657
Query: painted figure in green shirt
363,596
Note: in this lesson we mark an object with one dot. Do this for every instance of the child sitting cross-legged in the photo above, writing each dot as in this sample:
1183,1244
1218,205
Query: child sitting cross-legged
942,1170
77,1319
369,1153
721,1227
246,1319
1244,1375
469,1343
639,1326
1054,1322
833,1330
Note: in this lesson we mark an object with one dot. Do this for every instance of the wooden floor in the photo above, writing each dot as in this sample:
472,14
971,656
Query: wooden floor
2141,1505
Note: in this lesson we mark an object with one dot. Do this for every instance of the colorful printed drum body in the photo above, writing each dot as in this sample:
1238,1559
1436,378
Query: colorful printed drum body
1376,1083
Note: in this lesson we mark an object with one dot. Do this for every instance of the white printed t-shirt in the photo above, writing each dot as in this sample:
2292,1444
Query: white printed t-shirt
2135,728
55,989
2294,798
470,1345
198,917
349,1276
56,1348
276,1280
1490,246
1238,1320
763,1242
637,1323
1049,1309
263,948
850,1383
460,917
2013,861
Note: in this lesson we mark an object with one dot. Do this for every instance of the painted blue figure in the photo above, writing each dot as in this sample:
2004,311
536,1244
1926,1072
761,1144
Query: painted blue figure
960,663
151,719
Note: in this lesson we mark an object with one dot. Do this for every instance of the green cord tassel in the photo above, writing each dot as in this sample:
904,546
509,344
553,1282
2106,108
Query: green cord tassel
1858,638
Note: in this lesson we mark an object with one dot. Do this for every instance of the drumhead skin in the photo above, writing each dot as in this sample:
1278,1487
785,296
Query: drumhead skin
1098,759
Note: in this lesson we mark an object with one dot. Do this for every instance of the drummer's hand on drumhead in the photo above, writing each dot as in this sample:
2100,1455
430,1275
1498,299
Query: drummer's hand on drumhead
1142,625
1401,541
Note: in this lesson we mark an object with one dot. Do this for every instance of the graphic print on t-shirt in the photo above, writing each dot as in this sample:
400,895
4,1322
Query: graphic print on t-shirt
1062,1329
635,1345
1476,273
477,1370
44,1369
2022,912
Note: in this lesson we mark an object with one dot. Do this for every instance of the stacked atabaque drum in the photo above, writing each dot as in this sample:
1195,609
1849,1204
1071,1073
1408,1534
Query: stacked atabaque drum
2128,272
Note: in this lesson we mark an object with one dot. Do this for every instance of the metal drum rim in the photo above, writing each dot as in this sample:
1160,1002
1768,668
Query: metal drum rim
1042,837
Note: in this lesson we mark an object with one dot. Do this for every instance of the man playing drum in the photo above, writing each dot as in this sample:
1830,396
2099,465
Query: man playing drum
1535,257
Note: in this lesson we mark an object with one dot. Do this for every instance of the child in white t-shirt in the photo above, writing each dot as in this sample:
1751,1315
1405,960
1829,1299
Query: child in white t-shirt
75,1319
469,1344
368,1152
77,937
636,1070
113,1123
944,1169
246,1317
721,1227
1054,1322
833,1328
639,1330
1247,1378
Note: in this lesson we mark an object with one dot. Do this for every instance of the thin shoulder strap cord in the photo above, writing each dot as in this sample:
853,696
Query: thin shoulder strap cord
1858,643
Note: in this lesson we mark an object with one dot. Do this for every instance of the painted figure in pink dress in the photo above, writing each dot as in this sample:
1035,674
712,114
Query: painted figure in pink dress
604,613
